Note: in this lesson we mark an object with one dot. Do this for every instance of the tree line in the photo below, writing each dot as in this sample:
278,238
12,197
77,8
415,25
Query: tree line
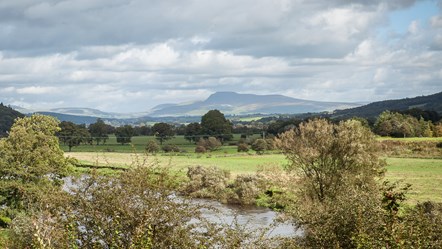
410,123
213,124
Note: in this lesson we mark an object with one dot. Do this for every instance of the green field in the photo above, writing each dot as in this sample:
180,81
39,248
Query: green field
425,175
411,139
139,142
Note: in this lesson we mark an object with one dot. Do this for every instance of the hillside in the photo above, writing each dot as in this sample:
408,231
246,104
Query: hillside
232,103
7,117
71,118
431,102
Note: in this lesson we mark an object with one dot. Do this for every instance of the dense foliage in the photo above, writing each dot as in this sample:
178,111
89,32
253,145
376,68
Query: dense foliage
73,135
213,123
30,161
163,132
99,131
401,125
340,202
124,134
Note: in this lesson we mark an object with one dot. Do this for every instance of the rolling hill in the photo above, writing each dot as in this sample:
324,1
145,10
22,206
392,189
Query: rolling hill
430,102
7,118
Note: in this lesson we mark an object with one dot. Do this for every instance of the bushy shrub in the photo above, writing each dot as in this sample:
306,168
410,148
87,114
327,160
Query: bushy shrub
170,148
206,182
260,145
247,188
270,144
152,147
211,143
243,147
200,149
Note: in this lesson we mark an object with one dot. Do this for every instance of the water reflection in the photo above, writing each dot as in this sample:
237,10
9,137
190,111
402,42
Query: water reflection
251,216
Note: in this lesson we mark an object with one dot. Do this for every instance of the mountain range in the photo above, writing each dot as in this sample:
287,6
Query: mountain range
231,103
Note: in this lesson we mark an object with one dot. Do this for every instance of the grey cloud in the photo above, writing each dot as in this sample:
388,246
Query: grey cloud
232,25
131,55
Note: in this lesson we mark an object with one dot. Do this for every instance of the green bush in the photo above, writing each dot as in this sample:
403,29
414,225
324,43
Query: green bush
243,147
260,145
170,148
152,147
206,182
200,149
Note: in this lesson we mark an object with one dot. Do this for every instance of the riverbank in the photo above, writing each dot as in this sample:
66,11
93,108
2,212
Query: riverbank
425,175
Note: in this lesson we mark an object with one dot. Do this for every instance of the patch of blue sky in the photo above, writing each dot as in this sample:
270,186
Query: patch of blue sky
400,20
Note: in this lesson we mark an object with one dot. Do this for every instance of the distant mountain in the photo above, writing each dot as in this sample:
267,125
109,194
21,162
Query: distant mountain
77,119
431,103
232,103
78,111
7,117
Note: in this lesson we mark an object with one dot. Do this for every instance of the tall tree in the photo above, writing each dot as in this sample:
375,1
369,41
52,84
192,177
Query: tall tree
213,123
192,132
98,131
163,131
30,159
73,135
124,134
338,170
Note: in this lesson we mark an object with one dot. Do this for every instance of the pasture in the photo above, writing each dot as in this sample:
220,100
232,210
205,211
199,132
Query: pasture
425,175
139,142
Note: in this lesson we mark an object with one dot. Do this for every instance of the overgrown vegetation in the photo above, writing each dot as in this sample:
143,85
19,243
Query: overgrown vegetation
332,187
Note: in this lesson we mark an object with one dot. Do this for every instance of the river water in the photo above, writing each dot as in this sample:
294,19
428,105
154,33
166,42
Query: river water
252,217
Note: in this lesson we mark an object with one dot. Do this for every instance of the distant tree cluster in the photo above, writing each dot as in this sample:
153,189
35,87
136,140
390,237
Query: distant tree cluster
409,123
72,135
395,124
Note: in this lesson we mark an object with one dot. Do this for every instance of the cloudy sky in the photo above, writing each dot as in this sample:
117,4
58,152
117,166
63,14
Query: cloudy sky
130,55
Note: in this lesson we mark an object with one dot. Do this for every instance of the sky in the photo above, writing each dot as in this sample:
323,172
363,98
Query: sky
131,55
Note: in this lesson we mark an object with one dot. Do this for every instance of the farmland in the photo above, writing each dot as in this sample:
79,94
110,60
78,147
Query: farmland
425,174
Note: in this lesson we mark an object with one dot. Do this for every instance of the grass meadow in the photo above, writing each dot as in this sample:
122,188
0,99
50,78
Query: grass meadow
425,174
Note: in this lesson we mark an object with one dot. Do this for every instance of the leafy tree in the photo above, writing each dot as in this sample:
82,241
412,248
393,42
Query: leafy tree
124,134
99,131
213,123
338,198
192,131
163,131
30,160
325,154
73,135
142,130
400,125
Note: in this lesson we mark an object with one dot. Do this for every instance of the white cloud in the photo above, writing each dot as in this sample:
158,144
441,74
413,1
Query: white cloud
130,56
35,90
